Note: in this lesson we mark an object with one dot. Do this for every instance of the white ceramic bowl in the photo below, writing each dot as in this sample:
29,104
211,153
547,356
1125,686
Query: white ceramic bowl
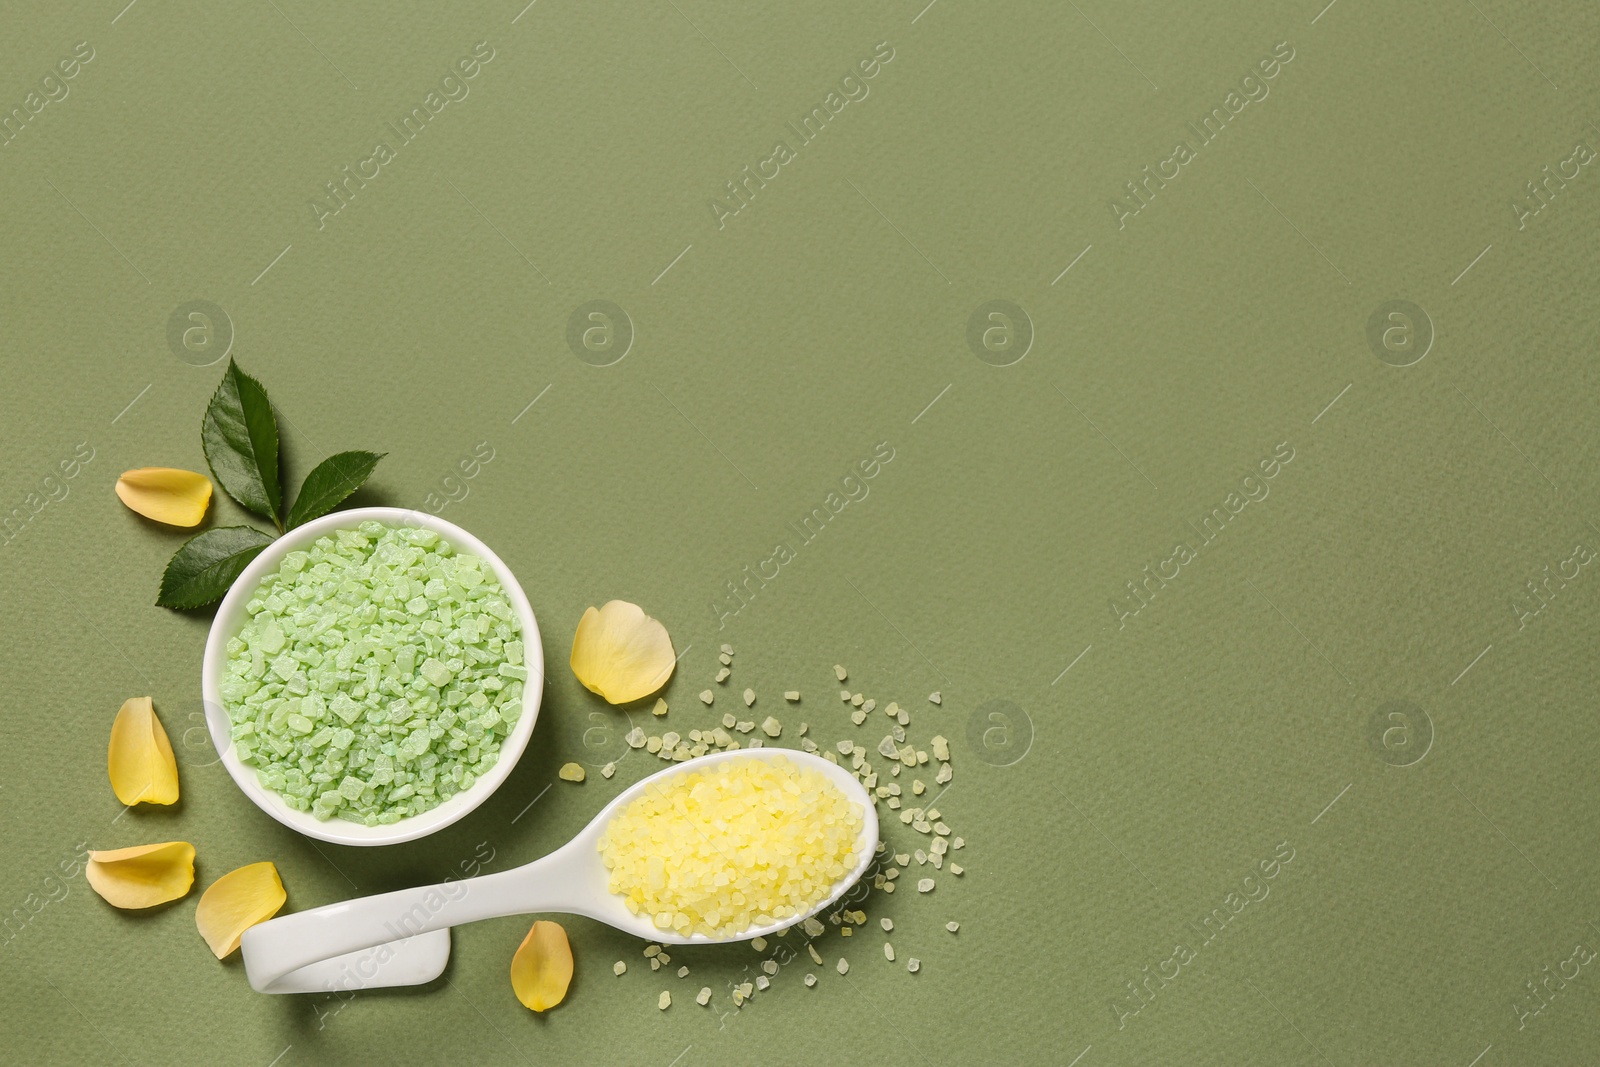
231,616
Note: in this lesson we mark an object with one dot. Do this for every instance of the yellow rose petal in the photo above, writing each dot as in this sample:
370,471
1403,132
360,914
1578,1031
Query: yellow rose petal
140,757
142,876
165,494
542,968
621,653
237,901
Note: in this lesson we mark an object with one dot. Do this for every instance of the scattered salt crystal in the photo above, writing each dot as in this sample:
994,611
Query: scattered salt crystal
844,965
665,1001
619,967
925,885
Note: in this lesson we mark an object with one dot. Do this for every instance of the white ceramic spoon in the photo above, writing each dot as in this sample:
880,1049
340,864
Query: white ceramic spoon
403,938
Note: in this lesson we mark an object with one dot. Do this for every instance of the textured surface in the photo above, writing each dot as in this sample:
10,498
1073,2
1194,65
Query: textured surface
1147,761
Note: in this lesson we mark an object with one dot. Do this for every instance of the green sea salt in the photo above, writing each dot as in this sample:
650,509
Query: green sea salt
378,675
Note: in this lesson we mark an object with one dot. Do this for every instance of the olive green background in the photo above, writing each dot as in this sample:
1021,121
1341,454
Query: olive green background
1229,719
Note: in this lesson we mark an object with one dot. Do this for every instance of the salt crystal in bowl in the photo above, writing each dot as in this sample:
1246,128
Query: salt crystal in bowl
231,617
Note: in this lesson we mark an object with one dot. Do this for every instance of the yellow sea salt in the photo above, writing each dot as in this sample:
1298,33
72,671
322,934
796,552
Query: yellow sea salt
743,843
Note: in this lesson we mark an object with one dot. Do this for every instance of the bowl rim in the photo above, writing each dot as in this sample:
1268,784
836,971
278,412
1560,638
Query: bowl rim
230,617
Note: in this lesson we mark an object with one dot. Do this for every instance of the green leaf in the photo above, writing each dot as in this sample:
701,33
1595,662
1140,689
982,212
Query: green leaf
240,438
333,479
203,569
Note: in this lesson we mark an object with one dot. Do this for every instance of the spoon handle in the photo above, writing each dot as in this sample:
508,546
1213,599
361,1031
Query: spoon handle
399,938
